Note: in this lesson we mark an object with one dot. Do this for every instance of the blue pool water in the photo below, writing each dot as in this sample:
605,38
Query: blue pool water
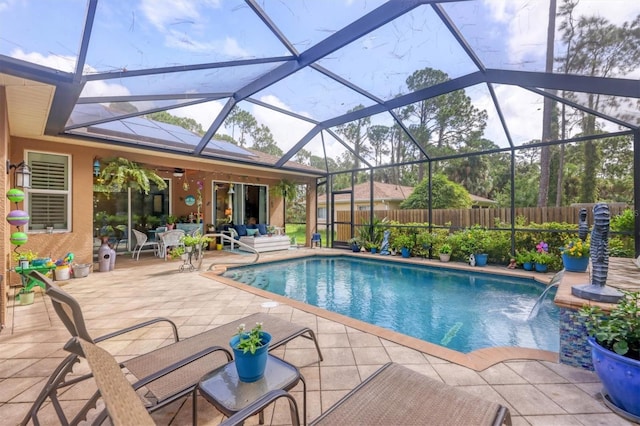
460,310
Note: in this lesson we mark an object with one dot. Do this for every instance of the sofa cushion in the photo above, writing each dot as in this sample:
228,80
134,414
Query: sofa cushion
241,230
262,228
252,232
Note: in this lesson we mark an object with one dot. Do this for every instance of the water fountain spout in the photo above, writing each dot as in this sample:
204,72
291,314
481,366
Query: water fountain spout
555,281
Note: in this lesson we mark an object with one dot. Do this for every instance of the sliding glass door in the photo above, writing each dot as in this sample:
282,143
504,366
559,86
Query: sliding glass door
239,203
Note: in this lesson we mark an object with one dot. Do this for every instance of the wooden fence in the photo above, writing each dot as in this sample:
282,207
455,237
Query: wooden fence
463,218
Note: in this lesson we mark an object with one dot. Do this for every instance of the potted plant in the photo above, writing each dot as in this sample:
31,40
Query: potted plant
474,241
575,255
171,221
525,259
404,243
195,243
250,350
178,252
445,252
615,351
542,260
371,246
355,245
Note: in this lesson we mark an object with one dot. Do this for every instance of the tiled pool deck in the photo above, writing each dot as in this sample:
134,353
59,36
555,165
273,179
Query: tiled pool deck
537,390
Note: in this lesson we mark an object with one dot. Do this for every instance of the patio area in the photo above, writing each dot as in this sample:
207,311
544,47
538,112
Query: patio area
536,392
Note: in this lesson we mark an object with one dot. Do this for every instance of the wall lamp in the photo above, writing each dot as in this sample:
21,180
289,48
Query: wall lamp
22,174
231,191
178,172
96,168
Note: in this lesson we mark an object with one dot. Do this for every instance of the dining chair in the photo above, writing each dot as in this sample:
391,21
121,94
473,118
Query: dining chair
170,239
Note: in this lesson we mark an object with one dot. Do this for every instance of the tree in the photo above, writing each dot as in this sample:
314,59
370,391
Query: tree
263,141
596,47
355,133
545,156
442,123
446,194
186,123
245,122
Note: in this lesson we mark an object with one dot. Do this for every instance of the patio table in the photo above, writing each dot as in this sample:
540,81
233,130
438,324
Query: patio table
228,394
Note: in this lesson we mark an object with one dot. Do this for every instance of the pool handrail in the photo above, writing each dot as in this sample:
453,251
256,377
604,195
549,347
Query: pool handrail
233,241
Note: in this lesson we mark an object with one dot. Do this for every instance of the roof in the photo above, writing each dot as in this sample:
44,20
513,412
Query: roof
385,192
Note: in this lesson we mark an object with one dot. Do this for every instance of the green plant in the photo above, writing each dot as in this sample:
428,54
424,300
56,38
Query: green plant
543,258
402,241
121,173
474,240
251,341
576,247
171,219
176,252
195,240
354,241
523,257
619,330
445,249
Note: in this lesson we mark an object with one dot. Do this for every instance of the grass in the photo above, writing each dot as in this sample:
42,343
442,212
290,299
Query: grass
299,232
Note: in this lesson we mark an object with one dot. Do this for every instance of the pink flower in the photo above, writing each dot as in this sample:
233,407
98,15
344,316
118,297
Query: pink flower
200,185
542,247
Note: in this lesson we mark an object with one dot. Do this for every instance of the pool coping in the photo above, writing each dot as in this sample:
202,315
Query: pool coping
477,360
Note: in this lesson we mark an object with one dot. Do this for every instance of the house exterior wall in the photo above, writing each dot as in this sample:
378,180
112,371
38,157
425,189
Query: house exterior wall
80,239
5,246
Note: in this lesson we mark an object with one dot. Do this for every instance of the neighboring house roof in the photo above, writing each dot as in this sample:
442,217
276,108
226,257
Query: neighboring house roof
386,192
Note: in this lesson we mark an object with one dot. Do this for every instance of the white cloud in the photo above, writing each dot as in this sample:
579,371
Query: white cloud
286,130
59,62
204,114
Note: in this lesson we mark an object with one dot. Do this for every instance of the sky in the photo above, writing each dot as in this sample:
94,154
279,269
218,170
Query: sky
130,35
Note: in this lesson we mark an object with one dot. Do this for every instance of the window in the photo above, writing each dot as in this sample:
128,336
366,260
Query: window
49,198
322,213
364,208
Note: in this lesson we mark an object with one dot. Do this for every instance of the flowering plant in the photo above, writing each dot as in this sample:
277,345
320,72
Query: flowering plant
251,341
542,247
576,247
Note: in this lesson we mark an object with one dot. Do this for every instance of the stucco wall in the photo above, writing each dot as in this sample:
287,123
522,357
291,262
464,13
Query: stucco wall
80,239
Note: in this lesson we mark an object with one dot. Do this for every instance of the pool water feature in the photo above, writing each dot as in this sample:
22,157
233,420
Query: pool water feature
460,310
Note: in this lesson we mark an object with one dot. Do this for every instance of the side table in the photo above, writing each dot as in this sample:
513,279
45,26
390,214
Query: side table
228,394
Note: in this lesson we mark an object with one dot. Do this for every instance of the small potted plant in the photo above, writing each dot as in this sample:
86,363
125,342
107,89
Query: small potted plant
542,261
445,252
250,350
372,247
171,221
575,255
178,252
404,243
525,259
354,243
615,350
195,242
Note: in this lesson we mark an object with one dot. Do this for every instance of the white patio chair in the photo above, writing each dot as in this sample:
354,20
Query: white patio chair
170,239
142,242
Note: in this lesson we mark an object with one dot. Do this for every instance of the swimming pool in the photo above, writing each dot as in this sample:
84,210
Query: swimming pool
460,310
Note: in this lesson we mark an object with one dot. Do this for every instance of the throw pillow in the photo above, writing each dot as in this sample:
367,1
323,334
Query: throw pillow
252,232
241,230
262,228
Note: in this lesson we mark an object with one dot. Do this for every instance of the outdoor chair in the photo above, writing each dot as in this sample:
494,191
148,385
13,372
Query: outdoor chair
169,239
165,374
396,395
142,242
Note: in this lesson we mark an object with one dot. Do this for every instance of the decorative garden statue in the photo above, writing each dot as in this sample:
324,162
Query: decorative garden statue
384,247
599,251
583,226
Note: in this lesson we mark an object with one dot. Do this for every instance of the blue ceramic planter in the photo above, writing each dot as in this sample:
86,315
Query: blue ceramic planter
527,266
481,259
405,252
250,366
541,268
620,377
575,264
